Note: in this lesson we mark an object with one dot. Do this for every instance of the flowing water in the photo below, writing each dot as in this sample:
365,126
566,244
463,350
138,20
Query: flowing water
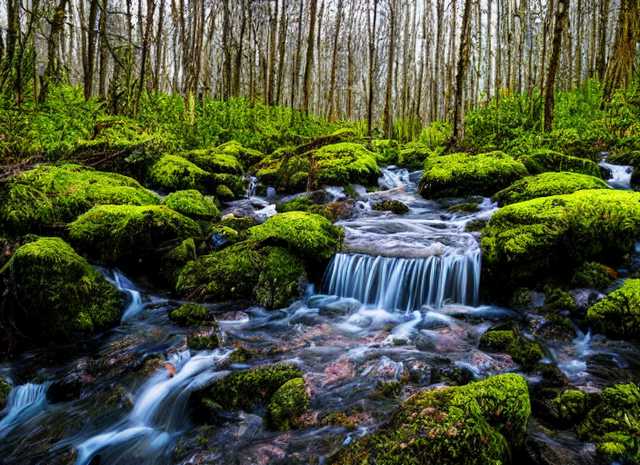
620,175
401,302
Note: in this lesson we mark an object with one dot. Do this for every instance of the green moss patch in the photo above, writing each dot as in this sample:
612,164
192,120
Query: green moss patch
523,351
214,161
37,199
287,404
190,315
394,206
460,174
172,173
193,204
52,292
479,423
544,160
546,184
618,314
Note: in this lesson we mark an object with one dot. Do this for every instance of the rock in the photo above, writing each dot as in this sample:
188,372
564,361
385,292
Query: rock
214,161
172,262
204,339
288,403
51,293
128,234
543,160
191,315
523,351
394,206
413,155
333,211
282,278
247,156
5,389
479,423
546,238
38,199
461,174
545,447
173,173
618,314
193,204
546,184
592,275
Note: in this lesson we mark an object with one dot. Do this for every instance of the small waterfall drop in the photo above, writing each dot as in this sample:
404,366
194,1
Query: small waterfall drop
397,283
620,175
135,298
24,402
252,184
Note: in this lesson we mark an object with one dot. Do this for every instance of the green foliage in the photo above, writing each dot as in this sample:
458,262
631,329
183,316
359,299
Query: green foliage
413,155
289,402
550,236
546,184
125,234
474,424
39,198
387,150
51,292
435,135
460,174
193,204
543,160
618,314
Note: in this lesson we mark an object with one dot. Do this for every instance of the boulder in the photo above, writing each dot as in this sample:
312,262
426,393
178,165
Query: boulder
543,160
287,404
618,314
173,173
193,204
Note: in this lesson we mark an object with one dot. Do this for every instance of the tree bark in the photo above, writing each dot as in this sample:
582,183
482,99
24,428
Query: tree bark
554,61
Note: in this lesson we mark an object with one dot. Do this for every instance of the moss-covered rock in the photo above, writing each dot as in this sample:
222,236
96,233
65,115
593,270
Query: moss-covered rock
281,279
413,155
247,156
551,236
248,389
289,402
618,314
126,234
387,150
51,292
214,161
193,204
311,236
544,160
570,406
479,423
546,184
333,211
203,339
191,314
523,351
173,173
172,262
614,424
594,275
458,175
394,206
40,198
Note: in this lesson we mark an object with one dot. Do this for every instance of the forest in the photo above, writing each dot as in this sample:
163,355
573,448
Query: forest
325,232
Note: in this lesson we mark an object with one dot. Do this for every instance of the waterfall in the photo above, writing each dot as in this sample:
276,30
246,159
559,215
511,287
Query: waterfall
24,401
252,183
135,298
396,283
620,175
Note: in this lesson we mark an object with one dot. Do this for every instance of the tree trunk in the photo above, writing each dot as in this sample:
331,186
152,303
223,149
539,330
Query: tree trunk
388,123
461,75
554,61
309,63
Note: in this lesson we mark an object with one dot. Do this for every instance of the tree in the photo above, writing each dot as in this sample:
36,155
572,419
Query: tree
309,63
554,61
461,76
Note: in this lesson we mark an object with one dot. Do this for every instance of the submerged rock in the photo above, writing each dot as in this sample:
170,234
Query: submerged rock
461,174
544,160
51,292
549,237
523,351
193,204
618,314
40,198
479,423
546,184
394,206
127,234
191,315
287,404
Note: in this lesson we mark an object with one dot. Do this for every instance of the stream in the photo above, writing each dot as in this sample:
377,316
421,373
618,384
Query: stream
401,302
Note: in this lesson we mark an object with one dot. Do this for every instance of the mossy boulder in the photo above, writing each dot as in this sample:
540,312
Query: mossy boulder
193,204
618,314
191,314
570,406
214,161
115,234
172,262
333,211
523,351
51,292
247,156
270,276
244,390
40,198
480,423
413,155
544,160
594,275
387,150
546,184
173,173
287,404
459,175
311,236
393,206
547,238
614,424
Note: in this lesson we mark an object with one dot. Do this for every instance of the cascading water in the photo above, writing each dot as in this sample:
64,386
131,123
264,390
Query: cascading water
23,403
620,175
396,283
135,305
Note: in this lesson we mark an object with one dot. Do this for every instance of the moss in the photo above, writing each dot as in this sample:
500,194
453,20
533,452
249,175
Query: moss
544,160
214,161
387,150
173,261
247,156
249,388
474,424
206,339
551,236
309,235
234,184
239,223
594,275
174,173
289,402
51,292
193,204
570,406
5,389
191,315
281,278
546,184
224,193
556,299
394,206
465,207
222,236
618,314
614,424
413,156
116,234
458,175
302,203
523,351
39,198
